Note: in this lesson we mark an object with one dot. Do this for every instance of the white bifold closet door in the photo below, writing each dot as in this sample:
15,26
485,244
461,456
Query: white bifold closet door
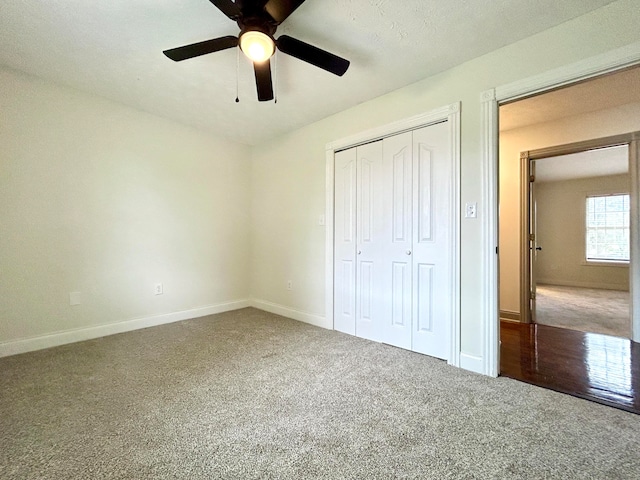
433,242
344,268
393,245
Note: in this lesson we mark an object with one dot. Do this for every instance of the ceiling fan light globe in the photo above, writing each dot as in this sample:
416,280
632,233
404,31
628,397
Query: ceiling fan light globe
258,46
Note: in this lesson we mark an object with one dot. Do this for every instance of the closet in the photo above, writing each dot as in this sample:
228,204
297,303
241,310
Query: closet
393,240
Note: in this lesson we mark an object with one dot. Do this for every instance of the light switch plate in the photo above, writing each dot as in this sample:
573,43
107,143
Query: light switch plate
471,210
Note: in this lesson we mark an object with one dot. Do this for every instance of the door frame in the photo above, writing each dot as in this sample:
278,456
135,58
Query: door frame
449,113
609,62
631,140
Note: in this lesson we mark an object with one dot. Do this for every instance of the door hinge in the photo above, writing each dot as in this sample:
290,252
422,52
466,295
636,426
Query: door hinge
532,178
532,295
532,237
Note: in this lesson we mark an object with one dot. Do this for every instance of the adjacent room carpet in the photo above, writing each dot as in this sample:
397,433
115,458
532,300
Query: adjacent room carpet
585,309
248,394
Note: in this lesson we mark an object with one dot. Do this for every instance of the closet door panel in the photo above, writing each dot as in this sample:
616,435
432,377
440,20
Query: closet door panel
370,236
345,242
432,241
397,219
424,298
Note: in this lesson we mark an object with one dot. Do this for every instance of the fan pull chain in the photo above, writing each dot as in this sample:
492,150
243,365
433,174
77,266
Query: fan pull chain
237,73
275,76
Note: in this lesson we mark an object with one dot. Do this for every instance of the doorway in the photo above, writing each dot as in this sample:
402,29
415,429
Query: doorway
576,231
557,122
534,133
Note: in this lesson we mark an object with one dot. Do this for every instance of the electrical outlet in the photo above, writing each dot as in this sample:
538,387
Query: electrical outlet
289,285
158,289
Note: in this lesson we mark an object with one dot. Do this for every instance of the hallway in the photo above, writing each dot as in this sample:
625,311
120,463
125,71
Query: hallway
595,367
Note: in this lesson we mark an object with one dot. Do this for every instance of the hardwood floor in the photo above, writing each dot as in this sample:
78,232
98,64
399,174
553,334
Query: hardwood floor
596,367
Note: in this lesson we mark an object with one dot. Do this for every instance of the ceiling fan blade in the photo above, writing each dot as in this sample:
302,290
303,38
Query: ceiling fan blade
281,9
313,55
263,80
229,8
201,48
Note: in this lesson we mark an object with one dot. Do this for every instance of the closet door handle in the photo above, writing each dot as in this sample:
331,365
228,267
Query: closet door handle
408,252
359,252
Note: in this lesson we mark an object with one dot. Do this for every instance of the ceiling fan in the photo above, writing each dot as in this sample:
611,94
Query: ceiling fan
258,21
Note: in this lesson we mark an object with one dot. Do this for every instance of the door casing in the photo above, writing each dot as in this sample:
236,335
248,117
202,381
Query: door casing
611,61
527,158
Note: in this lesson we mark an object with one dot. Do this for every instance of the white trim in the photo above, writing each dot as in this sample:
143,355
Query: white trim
411,123
570,283
490,315
472,363
454,128
606,263
607,62
510,316
449,113
634,280
329,220
64,337
509,320
591,67
313,319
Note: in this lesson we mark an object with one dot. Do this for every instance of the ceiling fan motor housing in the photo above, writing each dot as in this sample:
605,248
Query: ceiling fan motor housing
257,24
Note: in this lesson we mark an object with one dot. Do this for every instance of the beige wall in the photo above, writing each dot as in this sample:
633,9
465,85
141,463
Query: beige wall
288,181
512,142
105,200
561,233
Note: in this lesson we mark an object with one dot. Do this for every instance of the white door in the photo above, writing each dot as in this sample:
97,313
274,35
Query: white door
345,242
394,242
432,241
396,271
370,234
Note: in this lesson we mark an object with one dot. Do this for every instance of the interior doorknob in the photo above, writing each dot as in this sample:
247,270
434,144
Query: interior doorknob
359,252
408,252
539,249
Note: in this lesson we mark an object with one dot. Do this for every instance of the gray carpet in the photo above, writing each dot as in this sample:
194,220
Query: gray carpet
248,394
585,309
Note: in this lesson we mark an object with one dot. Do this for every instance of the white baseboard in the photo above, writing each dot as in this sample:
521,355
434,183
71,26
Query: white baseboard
510,315
468,362
569,283
509,320
317,320
472,363
40,342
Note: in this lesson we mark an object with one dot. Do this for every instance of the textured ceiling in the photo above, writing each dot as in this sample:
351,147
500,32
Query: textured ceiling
592,163
604,92
114,49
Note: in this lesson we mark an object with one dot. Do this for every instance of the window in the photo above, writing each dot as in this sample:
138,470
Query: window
607,232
